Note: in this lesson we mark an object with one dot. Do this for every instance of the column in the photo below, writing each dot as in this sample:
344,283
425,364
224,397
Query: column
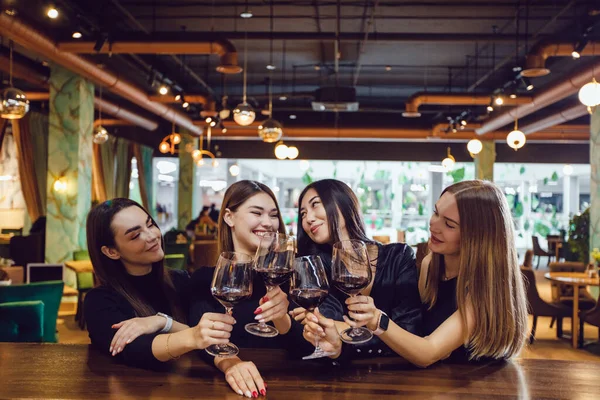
436,180
595,180
185,188
484,161
69,163
570,197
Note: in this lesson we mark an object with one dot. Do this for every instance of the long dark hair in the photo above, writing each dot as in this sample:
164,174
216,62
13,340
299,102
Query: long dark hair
235,196
112,273
335,196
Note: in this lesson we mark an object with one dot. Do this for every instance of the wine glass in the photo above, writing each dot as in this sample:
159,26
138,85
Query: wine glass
351,273
274,262
308,289
231,284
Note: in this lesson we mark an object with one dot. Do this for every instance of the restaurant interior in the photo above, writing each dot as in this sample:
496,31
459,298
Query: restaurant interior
169,103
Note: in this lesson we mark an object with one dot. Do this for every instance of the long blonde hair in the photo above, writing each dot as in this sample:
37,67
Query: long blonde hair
488,274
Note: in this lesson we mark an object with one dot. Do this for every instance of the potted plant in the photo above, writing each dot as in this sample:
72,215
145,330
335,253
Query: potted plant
579,236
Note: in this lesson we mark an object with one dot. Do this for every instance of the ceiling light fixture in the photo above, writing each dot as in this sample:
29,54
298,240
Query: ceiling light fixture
234,170
76,35
499,100
516,139
52,13
449,161
271,130
167,145
100,133
589,95
244,114
163,90
474,146
13,102
197,155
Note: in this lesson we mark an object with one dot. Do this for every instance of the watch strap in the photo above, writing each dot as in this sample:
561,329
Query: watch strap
168,323
379,329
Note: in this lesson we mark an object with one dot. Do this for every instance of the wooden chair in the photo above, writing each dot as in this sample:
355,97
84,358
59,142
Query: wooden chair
538,251
539,308
383,239
206,253
563,294
592,317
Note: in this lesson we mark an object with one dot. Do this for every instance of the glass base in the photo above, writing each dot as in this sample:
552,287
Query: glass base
223,350
262,330
356,335
318,353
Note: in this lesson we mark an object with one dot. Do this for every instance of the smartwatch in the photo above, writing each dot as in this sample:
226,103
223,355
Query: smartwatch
168,324
383,323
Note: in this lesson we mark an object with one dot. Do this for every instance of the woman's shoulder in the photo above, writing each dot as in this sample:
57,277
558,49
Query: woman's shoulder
102,296
179,277
397,254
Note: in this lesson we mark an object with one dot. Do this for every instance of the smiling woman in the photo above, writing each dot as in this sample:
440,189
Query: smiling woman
137,313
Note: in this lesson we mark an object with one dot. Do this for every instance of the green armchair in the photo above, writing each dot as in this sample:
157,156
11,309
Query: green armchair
49,293
22,321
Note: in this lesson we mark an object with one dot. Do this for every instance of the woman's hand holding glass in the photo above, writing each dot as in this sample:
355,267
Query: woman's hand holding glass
273,306
322,331
213,329
362,312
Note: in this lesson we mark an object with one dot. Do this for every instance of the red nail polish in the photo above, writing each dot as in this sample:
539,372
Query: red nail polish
266,298
263,392
255,394
257,311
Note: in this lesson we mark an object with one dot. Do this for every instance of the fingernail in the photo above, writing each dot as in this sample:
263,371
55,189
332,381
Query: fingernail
258,317
255,394
248,394
263,392
257,311
262,321
240,392
265,299
313,318
128,341
110,349
113,353
119,349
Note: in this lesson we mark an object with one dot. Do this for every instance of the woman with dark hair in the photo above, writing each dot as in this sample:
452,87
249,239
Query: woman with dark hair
249,210
329,212
474,304
138,311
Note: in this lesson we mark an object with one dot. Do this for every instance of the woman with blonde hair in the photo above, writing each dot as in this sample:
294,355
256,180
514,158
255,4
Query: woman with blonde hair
474,304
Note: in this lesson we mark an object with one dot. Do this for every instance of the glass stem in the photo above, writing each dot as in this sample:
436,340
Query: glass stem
269,288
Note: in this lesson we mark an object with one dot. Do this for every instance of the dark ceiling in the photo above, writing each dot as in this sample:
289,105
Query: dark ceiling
451,46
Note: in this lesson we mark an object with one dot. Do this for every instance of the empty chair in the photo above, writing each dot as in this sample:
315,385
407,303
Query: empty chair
539,308
592,317
538,251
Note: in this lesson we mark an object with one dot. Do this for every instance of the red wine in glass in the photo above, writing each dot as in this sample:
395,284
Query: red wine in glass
273,262
231,284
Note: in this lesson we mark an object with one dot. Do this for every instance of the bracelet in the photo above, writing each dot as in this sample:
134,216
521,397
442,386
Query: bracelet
168,352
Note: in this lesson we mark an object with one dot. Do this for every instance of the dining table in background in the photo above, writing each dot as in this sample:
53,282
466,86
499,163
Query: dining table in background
62,371
577,280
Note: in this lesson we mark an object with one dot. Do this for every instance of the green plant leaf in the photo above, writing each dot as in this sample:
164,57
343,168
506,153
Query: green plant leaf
519,210
554,177
522,170
545,181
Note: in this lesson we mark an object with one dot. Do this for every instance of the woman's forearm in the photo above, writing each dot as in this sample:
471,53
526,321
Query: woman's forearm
178,327
419,351
168,346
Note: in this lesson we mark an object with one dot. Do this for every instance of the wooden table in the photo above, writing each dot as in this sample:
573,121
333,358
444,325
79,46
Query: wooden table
63,371
80,266
577,280
5,238
555,243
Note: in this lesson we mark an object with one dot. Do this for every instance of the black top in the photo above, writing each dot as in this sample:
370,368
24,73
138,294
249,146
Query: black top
201,301
445,305
395,291
104,307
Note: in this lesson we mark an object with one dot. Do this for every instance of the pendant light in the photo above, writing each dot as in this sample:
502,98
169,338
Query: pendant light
449,161
516,139
14,103
270,131
589,94
244,114
100,133
474,146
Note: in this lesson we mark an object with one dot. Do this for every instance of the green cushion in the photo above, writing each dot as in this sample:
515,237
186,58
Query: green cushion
22,321
175,261
81,255
85,280
50,293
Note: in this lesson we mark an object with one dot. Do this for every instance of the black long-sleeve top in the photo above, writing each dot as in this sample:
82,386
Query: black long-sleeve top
104,307
395,291
202,301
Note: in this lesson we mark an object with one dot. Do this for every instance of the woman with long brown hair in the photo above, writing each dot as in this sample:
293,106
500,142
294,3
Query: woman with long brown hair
249,210
474,303
138,311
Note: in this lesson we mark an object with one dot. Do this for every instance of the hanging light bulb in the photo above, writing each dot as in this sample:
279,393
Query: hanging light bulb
281,151
499,101
589,94
270,131
215,163
474,146
100,135
234,170
163,147
568,169
293,152
176,138
516,139
244,114
13,102
448,162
